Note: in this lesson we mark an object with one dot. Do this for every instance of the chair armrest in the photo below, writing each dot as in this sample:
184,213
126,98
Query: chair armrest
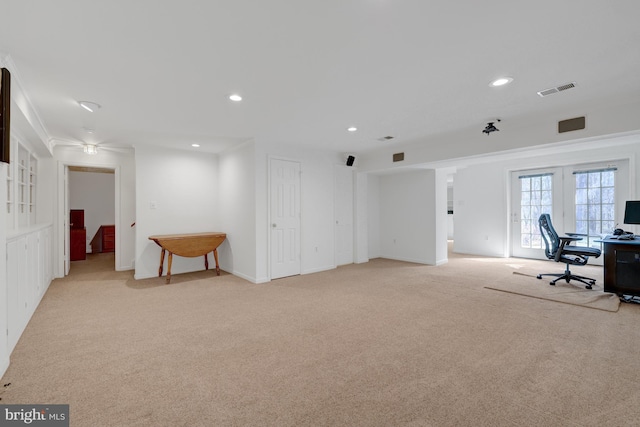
564,241
572,238
576,234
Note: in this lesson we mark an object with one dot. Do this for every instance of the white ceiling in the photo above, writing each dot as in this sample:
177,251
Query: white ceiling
412,69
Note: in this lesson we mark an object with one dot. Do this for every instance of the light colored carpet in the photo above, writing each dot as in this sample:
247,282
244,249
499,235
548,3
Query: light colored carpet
526,284
384,343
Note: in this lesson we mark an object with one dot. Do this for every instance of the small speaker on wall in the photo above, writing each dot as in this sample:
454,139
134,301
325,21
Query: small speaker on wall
350,160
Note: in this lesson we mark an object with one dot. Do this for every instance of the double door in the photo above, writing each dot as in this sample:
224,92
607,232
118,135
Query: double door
586,199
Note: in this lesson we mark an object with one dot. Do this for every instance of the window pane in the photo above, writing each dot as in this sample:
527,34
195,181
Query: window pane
594,179
608,195
608,179
582,227
608,212
581,180
581,196
525,184
546,182
581,212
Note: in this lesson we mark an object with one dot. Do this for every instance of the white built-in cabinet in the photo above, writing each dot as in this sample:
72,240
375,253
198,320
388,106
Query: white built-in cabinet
29,273
29,266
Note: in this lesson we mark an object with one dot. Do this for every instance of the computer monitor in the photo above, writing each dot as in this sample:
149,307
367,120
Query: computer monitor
632,212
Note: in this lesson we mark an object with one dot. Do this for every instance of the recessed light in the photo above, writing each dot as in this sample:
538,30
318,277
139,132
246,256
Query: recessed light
235,97
352,129
89,106
195,145
501,81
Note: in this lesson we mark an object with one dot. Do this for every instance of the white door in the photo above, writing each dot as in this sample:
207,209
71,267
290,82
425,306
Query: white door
534,192
343,191
285,218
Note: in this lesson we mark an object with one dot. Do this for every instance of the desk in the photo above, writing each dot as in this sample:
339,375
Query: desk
622,266
188,245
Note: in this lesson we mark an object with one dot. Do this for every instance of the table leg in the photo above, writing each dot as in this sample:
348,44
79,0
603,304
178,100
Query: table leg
161,263
169,267
206,262
215,255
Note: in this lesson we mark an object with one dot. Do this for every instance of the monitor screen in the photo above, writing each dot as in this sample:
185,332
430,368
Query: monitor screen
632,212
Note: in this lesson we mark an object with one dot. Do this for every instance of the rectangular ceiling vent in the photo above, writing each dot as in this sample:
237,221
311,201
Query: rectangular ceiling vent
556,89
398,157
385,138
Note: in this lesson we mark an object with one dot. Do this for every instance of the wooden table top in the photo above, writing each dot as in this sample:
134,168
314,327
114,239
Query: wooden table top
189,244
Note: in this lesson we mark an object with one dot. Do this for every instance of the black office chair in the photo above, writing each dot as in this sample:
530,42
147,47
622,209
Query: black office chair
560,249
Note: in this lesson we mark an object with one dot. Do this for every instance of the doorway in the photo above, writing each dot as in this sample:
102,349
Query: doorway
94,191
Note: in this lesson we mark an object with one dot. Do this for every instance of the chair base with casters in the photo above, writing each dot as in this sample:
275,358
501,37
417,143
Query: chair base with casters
568,276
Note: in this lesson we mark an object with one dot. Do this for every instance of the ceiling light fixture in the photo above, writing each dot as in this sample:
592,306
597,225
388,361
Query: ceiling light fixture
235,97
91,149
352,129
195,145
89,106
501,81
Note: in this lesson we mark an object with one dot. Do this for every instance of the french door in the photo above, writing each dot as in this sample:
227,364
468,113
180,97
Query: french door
586,199
534,192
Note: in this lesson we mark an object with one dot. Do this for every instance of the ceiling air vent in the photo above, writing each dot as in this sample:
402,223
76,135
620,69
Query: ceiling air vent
398,157
557,89
385,138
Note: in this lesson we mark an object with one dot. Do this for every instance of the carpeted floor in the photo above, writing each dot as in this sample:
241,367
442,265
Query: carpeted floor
385,343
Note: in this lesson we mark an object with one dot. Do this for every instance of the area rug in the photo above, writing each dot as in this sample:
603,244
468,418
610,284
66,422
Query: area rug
567,293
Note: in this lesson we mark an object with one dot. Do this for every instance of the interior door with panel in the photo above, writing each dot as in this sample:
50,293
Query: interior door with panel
284,217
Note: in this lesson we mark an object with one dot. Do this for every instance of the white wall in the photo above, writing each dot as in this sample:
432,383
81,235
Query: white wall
177,193
236,209
317,206
481,201
373,216
123,163
93,192
407,216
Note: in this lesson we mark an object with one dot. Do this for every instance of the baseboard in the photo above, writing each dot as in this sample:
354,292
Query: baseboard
415,261
319,269
442,262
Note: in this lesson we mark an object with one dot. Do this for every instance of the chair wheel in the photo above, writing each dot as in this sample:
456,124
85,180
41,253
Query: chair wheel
552,284
588,287
539,276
